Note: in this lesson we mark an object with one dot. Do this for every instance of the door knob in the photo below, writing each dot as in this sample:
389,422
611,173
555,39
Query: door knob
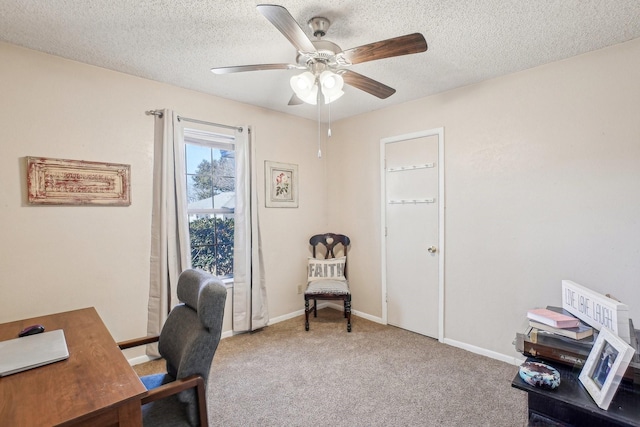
432,250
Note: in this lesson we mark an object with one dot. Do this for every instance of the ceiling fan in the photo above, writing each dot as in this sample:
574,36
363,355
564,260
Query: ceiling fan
325,64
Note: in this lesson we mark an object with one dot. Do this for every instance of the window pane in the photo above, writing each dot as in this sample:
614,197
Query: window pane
224,165
200,186
195,155
197,197
203,257
202,231
224,260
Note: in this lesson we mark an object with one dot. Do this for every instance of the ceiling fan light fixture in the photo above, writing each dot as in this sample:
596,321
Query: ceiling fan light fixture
330,80
304,86
303,82
312,96
331,84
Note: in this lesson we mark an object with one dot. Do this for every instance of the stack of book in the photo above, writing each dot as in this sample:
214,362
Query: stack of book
557,321
556,336
556,340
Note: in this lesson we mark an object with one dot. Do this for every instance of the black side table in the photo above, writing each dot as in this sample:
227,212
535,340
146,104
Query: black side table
571,405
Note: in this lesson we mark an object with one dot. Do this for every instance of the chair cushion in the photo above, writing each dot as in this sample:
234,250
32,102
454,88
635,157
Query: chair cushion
337,287
156,380
326,269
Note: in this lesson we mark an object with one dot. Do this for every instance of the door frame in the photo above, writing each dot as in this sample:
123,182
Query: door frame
439,132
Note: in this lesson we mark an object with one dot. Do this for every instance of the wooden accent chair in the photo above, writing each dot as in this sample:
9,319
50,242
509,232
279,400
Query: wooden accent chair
188,341
327,276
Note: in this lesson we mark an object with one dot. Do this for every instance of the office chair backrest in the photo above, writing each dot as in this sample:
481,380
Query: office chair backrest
190,336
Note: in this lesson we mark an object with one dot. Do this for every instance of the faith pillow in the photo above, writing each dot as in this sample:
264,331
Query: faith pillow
326,269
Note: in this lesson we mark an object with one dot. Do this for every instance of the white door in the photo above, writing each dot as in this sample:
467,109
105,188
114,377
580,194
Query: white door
412,236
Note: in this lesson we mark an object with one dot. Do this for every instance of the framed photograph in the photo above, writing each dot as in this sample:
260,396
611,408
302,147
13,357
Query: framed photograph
605,366
77,182
281,182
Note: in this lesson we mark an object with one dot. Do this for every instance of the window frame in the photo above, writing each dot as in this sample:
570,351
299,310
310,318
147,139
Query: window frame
213,140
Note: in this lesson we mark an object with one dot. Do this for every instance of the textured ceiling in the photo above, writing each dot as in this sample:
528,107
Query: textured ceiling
178,41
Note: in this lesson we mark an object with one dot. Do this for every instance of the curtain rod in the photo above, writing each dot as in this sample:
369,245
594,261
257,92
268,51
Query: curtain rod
186,119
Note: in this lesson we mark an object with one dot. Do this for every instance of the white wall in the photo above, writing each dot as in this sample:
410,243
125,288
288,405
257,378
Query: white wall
56,258
542,184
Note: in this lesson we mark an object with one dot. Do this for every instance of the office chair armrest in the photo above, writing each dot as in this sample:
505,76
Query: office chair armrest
177,386
138,341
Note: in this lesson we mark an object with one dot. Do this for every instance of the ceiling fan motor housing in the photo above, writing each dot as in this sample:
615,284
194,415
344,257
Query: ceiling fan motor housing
325,53
319,26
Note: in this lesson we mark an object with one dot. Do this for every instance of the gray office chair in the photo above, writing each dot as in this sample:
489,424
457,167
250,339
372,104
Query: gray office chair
187,342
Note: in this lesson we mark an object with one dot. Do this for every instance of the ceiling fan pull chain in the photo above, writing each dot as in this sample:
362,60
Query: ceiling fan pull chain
329,128
319,124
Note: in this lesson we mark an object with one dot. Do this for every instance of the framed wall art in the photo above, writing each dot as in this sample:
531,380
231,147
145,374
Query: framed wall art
605,366
595,309
77,182
281,185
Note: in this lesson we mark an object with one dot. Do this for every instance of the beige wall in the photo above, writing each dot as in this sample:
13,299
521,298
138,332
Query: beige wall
542,184
56,258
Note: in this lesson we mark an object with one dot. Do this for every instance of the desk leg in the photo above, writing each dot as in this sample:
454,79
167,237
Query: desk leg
130,414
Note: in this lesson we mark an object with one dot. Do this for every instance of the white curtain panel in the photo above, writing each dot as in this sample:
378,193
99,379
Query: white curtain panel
249,290
170,253
170,246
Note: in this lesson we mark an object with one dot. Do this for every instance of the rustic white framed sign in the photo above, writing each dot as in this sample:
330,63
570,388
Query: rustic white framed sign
281,185
595,309
605,366
77,182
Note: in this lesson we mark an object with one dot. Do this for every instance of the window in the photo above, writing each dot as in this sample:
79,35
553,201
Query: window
210,176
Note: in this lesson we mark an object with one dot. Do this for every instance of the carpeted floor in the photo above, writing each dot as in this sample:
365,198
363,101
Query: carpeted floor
374,376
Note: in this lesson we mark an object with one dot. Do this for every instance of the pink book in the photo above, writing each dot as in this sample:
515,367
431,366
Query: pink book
552,318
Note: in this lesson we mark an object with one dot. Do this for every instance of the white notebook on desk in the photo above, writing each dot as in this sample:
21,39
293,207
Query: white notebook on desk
20,354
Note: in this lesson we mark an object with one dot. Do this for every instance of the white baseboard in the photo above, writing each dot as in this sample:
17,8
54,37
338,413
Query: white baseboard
226,334
322,305
138,360
484,352
354,312
274,320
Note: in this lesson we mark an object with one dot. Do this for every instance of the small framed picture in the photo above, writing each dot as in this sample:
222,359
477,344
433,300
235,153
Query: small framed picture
605,367
281,185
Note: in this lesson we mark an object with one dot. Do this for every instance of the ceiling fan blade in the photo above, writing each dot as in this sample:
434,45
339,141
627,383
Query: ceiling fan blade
295,100
257,67
397,46
283,21
367,84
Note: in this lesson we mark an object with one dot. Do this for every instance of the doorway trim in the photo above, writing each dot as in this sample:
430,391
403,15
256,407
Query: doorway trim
439,132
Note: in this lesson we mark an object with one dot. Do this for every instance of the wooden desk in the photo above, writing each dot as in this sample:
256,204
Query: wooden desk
571,405
95,386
